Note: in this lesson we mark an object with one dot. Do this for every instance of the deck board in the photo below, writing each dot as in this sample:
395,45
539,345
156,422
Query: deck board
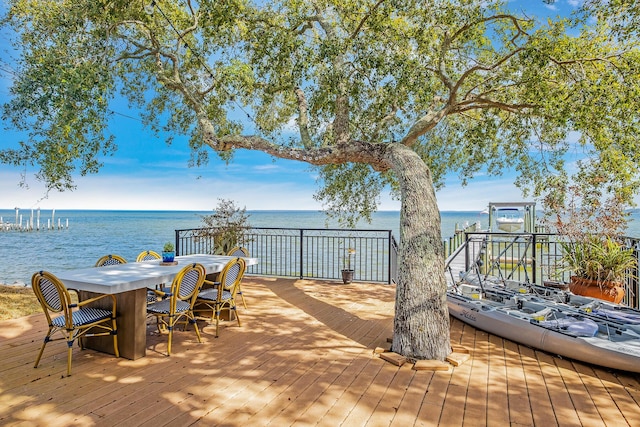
304,356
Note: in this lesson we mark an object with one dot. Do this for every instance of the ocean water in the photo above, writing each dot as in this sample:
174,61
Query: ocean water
92,234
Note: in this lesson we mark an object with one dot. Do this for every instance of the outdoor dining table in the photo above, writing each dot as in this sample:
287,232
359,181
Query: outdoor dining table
129,283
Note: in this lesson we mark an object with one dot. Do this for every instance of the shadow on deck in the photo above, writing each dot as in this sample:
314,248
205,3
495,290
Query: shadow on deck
304,356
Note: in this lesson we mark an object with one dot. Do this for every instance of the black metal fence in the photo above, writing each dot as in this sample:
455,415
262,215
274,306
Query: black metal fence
372,254
308,253
524,257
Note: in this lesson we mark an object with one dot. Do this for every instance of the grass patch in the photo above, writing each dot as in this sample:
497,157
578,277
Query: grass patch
17,301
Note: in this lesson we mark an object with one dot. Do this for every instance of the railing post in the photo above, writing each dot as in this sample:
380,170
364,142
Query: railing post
301,253
177,242
534,260
466,251
389,258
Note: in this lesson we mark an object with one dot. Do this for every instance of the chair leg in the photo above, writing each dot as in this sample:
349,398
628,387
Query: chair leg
44,343
195,326
217,320
244,303
213,311
171,323
115,338
235,313
69,355
160,325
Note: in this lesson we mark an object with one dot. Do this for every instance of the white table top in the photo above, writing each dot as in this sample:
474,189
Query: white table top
118,278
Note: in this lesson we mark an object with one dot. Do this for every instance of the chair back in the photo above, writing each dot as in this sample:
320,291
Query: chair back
231,276
147,255
52,295
187,283
110,259
239,251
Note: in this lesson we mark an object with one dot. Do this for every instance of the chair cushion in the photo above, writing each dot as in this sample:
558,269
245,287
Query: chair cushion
163,307
83,317
151,296
210,294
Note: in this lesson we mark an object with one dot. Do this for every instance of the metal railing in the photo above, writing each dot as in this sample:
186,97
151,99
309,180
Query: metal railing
525,257
323,253
307,253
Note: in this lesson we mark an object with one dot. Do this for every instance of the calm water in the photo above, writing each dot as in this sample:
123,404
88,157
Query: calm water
92,234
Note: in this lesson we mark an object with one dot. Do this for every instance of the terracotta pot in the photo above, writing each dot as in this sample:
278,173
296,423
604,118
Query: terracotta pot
608,291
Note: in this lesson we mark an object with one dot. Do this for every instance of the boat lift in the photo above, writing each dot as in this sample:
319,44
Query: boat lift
528,215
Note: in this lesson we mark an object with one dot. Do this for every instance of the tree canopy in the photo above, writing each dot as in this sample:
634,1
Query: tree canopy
466,85
372,93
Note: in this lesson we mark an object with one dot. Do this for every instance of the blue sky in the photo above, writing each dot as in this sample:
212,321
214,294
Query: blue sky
145,173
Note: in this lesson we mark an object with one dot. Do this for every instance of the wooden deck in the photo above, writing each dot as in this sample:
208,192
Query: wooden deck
304,356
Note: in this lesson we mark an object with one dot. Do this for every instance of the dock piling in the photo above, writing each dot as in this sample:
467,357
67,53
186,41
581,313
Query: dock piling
32,222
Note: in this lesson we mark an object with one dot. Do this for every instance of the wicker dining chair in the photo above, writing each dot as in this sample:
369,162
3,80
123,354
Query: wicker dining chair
176,306
76,319
110,259
240,251
223,295
148,256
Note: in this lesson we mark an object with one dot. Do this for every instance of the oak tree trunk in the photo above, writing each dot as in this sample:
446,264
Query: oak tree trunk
421,325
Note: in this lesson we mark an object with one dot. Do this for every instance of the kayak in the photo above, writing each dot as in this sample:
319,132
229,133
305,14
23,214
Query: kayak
576,328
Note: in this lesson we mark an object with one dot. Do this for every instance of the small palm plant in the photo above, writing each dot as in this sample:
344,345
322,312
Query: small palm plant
598,259
350,252
347,272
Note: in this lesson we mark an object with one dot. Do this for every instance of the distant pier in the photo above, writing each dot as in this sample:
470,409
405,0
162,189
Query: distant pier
33,222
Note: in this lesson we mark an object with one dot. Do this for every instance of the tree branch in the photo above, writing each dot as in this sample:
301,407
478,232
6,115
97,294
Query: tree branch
340,123
485,103
424,125
383,123
365,18
477,68
353,151
453,88
303,118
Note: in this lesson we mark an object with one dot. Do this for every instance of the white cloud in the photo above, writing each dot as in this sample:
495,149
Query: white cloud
266,168
189,191
477,195
162,192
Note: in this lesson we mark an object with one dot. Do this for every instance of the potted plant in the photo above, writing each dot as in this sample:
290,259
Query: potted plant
168,252
347,272
225,228
599,266
592,226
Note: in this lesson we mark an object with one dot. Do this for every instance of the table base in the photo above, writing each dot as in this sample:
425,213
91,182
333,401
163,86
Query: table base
131,310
